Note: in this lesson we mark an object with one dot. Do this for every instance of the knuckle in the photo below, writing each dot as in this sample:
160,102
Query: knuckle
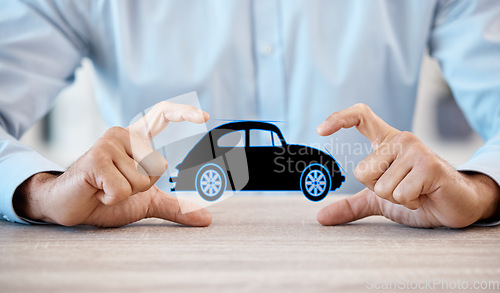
364,112
105,143
380,166
381,189
118,194
116,131
429,162
397,194
399,197
104,147
360,172
164,104
362,107
118,190
404,137
96,156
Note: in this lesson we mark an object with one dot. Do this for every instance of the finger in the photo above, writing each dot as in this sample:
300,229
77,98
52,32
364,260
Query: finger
137,177
363,118
358,206
115,186
148,160
409,190
168,207
153,164
161,114
390,179
371,168
153,122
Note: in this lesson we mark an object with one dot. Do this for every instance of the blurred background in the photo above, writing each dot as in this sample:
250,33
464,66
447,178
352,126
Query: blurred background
438,121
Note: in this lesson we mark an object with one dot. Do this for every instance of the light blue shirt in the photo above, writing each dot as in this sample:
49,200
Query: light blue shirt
294,61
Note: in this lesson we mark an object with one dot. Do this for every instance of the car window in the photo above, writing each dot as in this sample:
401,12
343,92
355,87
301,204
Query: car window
261,138
232,139
276,140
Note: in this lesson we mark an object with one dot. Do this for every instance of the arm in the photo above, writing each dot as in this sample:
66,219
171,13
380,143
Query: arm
465,40
38,57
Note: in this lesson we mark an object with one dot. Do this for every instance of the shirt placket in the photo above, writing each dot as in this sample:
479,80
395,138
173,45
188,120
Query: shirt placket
268,52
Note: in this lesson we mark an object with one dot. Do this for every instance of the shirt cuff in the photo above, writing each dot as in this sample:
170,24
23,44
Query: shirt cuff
485,161
15,169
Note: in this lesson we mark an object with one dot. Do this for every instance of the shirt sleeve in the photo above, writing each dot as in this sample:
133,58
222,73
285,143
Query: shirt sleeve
39,53
465,39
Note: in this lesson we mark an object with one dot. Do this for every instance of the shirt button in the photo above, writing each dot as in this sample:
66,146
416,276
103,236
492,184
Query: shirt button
267,49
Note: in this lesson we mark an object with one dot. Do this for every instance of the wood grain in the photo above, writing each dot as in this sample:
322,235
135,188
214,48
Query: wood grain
257,242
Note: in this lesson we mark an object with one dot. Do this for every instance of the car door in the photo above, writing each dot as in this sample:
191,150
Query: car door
262,149
230,153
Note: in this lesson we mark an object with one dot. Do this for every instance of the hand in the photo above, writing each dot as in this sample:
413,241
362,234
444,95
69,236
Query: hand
113,183
406,182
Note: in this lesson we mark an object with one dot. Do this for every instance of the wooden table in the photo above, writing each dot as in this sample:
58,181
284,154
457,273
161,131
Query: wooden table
257,243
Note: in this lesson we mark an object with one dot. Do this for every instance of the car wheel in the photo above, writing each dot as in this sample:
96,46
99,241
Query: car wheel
210,182
315,182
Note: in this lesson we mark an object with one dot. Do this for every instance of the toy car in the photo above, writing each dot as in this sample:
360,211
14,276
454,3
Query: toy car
254,156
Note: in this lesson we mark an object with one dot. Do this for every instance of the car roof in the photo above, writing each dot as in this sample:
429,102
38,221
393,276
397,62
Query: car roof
247,125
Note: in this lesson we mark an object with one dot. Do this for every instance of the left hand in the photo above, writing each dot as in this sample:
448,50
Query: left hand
113,184
406,182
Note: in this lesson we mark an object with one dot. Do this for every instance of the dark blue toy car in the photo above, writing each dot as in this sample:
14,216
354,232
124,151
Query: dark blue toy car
254,156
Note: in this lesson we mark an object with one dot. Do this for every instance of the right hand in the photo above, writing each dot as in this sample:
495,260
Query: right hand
113,183
407,182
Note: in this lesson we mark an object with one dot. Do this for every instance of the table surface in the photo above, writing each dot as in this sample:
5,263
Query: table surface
255,243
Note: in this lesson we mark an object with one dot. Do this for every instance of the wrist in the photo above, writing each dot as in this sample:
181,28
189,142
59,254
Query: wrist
29,198
487,193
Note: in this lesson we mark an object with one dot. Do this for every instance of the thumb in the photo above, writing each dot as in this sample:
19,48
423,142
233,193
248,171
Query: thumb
168,207
358,206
